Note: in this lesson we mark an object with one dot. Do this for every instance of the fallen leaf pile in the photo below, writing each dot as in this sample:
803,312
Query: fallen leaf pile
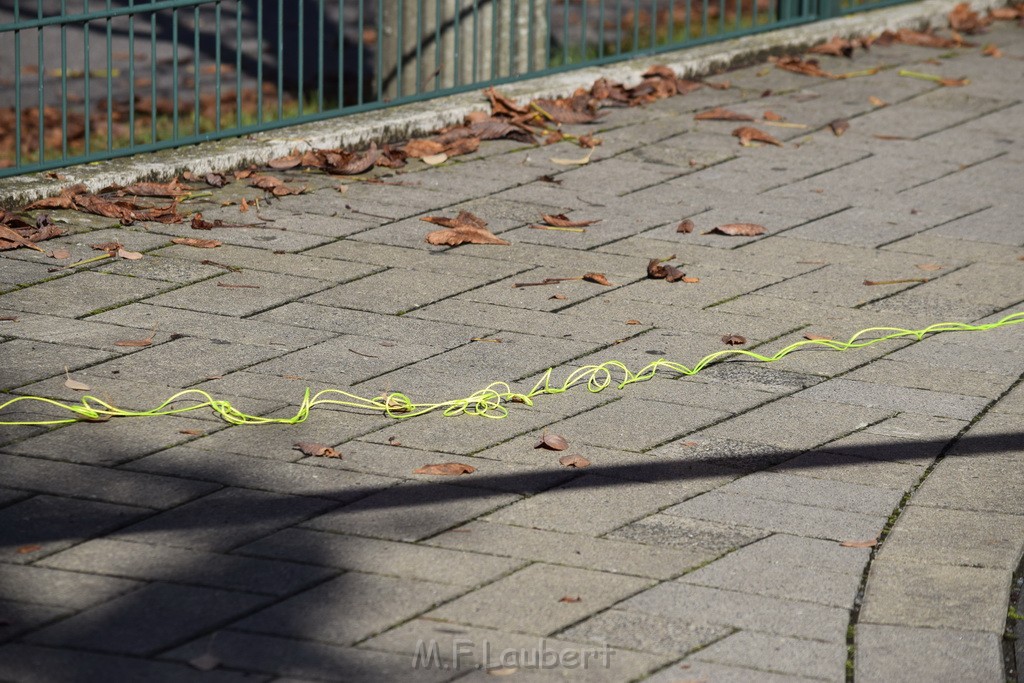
464,228
78,198
841,47
16,232
920,39
659,269
965,20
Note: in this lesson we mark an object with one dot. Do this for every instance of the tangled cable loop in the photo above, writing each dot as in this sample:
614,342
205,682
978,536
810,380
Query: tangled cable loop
490,402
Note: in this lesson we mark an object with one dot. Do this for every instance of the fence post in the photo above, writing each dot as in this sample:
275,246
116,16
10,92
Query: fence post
827,9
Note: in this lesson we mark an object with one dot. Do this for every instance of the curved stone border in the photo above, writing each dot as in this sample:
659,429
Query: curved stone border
423,117
935,603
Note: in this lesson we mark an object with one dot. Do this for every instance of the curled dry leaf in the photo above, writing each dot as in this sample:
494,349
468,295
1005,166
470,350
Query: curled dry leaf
434,159
673,274
284,163
60,254
816,337
197,242
137,343
597,278
560,297
734,340
839,126
748,134
27,549
464,228
929,266
560,220
447,469
216,179
807,67
738,230
962,18
991,50
690,280
74,384
109,247
877,102
552,442
577,461
571,598
772,116
632,322
585,159
722,114
866,543
685,226
318,450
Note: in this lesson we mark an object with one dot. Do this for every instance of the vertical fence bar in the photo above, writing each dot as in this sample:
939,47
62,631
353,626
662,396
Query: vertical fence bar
636,26
321,29
131,75
176,96
458,42
88,99
670,32
437,44
583,28
565,31
341,53
197,71
17,85
217,65
379,52
399,47
110,85
63,83
300,84
419,46
41,72
652,41
239,16
152,76
474,74
496,18
360,85
600,29
280,59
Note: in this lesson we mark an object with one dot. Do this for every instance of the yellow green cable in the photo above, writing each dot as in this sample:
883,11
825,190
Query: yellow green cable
489,402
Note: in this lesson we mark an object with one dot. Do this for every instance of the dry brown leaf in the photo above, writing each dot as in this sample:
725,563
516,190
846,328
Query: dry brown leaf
560,220
991,50
929,266
655,269
772,116
447,469
577,461
500,670
434,159
552,442
690,280
837,47
632,322
839,126
225,285
137,343
9,235
867,543
673,274
723,85
872,283
807,67
216,179
738,230
129,255
816,337
585,159
685,226
734,340
570,598
197,242
920,38
60,254
26,549
171,189
463,235
560,297
74,383
191,432
877,102
722,114
318,450
597,278
284,163
243,206
962,18
748,134
1006,13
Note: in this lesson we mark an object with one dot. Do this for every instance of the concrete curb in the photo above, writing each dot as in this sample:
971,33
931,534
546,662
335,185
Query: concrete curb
424,117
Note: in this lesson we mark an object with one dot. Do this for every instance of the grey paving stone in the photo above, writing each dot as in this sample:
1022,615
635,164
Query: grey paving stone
984,483
19,617
721,673
160,268
42,525
877,473
393,291
806,552
37,360
904,654
372,555
298,265
55,588
943,247
162,563
223,520
63,297
1012,402
530,601
699,536
779,654
287,659
185,361
239,294
743,610
148,620
956,537
876,395
410,512
89,333
212,326
733,455
645,632
803,520
921,376
796,423
262,474
610,503
614,556
924,428
772,380
107,443
471,650
98,483
348,608
906,593
806,491
266,237
36,664
784,577
386,329
447,261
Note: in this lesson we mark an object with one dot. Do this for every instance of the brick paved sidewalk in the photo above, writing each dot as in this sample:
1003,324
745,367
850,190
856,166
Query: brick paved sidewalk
703,543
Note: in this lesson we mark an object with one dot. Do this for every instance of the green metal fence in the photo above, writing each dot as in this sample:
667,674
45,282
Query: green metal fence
85,80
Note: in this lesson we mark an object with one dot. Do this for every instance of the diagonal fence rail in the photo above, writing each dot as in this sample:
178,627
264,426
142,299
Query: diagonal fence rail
87,80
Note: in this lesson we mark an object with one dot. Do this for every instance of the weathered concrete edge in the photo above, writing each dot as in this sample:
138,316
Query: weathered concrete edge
404,121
